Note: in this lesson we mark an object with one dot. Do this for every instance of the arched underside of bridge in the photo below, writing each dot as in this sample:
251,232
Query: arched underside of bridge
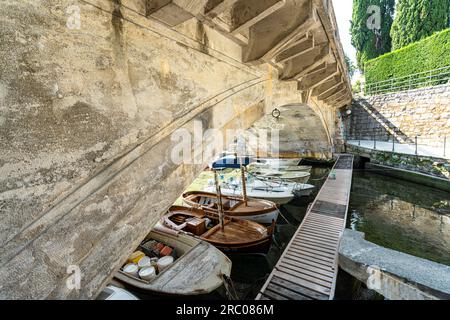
89,106
301,133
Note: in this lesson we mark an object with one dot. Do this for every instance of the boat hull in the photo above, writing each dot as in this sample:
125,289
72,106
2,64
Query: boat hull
277,198
262,216
265,218
198,271
236,236
284,177
262,247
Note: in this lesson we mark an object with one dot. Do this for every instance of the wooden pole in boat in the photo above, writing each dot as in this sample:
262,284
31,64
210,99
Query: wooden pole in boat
244,184
219,197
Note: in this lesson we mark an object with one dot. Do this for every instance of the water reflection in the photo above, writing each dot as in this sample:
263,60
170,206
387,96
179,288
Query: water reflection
400,215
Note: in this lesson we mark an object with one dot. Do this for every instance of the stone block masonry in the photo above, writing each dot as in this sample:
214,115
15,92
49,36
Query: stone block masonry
423,112
88,109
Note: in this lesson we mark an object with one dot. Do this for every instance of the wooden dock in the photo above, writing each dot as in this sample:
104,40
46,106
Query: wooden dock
307,270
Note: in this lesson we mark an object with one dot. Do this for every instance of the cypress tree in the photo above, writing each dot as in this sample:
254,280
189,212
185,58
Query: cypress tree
418,19
371,42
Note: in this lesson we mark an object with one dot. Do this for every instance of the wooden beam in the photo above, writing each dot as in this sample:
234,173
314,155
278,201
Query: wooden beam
221,7
260,16
300,38
336,94
313,66
342,101
318,77
338,98
223,29
326,93
312,23
319,83
301,48
320,68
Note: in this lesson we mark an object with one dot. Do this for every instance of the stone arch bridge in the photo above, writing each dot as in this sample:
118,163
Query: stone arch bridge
91,91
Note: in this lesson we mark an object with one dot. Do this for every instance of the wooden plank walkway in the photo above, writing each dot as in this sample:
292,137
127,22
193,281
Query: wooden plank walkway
307,270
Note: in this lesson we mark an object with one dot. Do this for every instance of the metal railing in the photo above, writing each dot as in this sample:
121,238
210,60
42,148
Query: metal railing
413,81
417,145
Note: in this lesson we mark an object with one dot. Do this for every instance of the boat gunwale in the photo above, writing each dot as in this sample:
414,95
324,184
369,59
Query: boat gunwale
150,285
188,195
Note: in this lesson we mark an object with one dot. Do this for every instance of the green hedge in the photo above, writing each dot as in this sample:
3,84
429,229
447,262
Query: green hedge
427,54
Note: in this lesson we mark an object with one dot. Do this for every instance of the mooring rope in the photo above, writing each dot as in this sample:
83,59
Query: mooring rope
228,285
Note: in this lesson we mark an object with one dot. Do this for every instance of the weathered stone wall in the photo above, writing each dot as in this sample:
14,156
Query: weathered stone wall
301,132
424,113
395,275
85,132
436,167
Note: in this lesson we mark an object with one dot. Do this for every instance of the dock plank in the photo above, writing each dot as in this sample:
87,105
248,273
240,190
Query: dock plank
307,269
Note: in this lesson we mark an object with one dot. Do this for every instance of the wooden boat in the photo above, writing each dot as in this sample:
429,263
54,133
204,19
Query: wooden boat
303,189
277,193
237,235
286,176
112,292
276,162
267,167
298,189
199,268
261,211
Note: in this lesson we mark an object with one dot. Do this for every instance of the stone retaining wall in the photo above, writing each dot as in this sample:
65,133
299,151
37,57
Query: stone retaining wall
422,112
436,167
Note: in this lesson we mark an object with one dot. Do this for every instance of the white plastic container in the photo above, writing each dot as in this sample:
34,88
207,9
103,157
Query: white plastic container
131,269
147,273
164,263
144,262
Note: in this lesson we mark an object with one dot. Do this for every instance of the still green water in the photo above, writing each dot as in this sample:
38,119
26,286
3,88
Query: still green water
401,215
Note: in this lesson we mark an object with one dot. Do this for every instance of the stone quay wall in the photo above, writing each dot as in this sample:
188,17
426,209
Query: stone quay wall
424,113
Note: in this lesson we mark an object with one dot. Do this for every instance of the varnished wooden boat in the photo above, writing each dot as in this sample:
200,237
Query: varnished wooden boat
237,235
199,268
260,211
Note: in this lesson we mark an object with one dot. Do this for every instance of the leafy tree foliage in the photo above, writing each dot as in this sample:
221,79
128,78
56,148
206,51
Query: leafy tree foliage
350,66
418,19
371,42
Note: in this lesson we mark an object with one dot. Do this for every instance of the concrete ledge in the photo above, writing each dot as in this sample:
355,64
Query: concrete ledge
416,177
395,275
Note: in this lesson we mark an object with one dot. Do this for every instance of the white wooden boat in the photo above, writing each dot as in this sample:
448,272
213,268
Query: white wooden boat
303,189
298,189
255,167
277,191
277,162
199,268
276,194
112,292
283,176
